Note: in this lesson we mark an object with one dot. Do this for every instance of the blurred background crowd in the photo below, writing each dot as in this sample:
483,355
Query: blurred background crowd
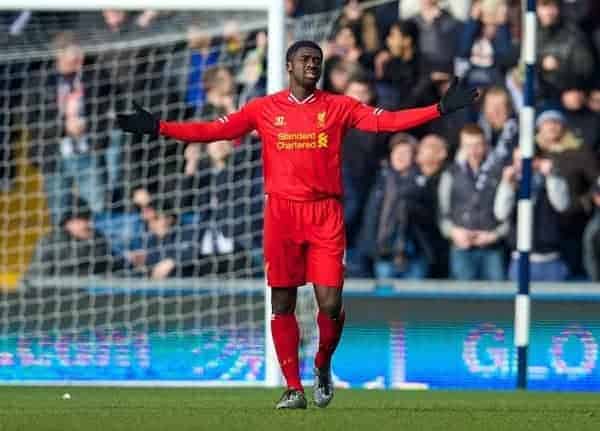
434,202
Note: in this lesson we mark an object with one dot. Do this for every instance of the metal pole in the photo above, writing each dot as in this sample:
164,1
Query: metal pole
525,207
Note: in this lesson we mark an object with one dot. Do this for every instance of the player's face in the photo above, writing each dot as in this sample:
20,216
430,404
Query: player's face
305,67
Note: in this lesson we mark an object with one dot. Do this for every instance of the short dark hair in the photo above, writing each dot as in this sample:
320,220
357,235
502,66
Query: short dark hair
294,47
401,138
473,130
77,209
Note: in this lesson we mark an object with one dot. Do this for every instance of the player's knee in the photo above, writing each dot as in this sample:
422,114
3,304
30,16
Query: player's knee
283,308
283,301
331,308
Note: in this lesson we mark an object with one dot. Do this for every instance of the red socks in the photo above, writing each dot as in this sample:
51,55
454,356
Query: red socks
286,337
330,332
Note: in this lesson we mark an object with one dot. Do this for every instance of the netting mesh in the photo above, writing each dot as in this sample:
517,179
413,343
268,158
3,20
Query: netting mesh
113,245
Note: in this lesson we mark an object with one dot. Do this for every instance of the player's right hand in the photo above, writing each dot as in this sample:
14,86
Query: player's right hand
141,122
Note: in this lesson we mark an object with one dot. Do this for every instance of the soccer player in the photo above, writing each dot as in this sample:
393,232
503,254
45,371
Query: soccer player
301,129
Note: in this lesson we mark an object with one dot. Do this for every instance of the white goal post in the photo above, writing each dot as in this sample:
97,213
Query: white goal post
275,73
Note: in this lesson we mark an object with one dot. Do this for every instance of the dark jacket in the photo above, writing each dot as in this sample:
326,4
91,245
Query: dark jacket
46,125
576,61
585,124
362,155
59,254
579,167
182,244
549,196
502,49
466,199
228,200
398,210
438,41
504,141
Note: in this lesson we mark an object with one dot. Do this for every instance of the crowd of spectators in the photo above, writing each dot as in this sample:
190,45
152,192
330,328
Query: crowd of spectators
437,201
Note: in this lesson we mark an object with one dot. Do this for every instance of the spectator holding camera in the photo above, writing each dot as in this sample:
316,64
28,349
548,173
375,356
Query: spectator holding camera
550,197
466,205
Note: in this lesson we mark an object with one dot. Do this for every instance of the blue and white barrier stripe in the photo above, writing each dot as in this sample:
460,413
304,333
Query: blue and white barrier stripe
525,207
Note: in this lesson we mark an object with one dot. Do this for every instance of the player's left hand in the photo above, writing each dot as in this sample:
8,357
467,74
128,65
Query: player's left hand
458,96
141,122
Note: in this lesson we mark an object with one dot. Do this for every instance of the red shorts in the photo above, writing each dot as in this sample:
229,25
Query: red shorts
304,242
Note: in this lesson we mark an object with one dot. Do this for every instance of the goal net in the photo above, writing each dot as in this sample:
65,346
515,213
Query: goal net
126,259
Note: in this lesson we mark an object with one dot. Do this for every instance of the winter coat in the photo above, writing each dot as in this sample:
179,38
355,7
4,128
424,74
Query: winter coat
398,208
576,61
47,125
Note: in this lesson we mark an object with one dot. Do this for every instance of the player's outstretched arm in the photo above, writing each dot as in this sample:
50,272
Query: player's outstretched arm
142,122
372,119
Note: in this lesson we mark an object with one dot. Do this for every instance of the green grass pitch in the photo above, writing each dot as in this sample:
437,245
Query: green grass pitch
148,409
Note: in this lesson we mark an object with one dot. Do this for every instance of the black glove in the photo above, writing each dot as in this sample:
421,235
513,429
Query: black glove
141,123
458,96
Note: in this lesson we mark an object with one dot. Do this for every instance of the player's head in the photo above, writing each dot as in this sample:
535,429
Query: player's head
304,61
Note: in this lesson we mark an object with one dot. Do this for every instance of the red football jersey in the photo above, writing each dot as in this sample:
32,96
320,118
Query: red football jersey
301,140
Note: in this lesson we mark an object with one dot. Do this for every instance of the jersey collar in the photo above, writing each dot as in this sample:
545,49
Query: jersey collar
310,99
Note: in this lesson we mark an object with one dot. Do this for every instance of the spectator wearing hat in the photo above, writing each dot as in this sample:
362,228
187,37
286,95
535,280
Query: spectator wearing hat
75,248
466,209
579,167
550,196
591,238
582,121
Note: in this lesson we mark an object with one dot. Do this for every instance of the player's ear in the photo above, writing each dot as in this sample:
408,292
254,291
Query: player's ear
288,66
